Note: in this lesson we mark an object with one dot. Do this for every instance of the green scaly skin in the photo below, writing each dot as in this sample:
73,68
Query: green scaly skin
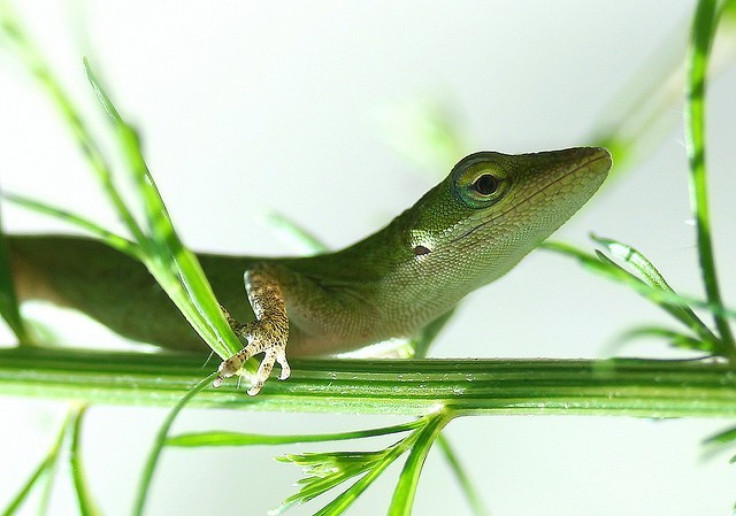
465,232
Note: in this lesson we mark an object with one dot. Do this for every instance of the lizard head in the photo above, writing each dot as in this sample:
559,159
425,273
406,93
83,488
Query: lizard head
494,208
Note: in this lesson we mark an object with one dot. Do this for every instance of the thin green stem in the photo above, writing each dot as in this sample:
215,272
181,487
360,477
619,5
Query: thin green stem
45,468
121,244
38,66
650,275
8,299
160,441
87,506
466,484
340,504
406,488
550,387
303,238
704,26
241,439
424,339
657,295
19,498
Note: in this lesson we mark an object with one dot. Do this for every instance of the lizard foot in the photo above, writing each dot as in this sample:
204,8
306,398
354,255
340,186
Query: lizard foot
268,334
260,340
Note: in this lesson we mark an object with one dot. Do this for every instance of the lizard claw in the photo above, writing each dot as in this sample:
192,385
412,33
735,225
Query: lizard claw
273,354
285,369
231,366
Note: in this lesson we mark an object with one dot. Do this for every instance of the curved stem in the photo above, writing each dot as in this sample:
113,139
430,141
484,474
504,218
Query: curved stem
160,441
87,506
466,483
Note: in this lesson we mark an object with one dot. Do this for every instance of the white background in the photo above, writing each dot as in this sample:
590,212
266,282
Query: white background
251,106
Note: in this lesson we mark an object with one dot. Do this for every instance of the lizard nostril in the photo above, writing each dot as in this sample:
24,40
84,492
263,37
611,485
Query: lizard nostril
421,250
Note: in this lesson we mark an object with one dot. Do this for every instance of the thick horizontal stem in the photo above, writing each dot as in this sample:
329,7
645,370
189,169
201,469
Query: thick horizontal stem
604,387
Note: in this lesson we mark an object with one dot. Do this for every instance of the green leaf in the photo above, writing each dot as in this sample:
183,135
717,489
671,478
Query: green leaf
676,339
719,441
304,239
188,288
471,493
89,147
346,498
87,506
221,438
675,304
158,444
616,273
636,259
724,437
727,13
651,276
325,471
426,336
9,309
113,240
403,498
102,97
46,468
25,490
173,266
703,32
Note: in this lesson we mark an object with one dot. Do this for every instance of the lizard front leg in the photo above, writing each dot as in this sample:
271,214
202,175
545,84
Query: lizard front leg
267,334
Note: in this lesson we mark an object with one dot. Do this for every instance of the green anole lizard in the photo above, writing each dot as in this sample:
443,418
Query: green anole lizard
465,232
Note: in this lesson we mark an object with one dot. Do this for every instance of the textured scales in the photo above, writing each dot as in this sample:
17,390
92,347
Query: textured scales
465,232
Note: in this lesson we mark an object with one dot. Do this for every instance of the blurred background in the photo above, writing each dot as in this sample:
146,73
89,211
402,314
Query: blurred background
316,110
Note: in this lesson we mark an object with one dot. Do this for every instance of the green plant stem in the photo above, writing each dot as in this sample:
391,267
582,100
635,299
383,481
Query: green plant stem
8,299
220,438
704,27
160,441
406,488
471,493
604,387
17,38
339,505
87,506
47,468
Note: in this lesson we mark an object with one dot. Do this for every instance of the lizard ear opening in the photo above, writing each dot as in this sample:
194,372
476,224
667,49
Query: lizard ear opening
421,250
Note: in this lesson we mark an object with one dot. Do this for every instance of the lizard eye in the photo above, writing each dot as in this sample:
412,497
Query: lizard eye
486,184
480,180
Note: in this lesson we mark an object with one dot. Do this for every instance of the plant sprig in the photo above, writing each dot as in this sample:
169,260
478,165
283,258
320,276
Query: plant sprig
326,471
9,309
67,439
158,444
659,292
154,241
703,32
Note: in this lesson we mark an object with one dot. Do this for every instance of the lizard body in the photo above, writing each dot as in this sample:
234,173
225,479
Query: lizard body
465,232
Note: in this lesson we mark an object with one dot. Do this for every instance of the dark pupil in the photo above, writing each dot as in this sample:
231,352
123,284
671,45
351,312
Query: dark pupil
486,184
